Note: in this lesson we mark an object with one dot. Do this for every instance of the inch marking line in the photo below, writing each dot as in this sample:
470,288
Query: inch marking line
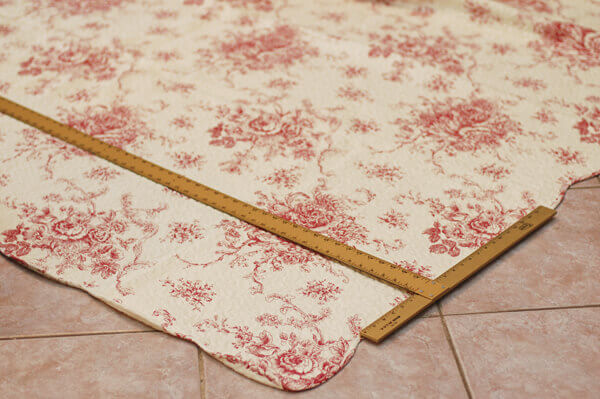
407,310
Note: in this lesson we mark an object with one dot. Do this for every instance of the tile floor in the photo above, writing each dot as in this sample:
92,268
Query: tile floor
534,336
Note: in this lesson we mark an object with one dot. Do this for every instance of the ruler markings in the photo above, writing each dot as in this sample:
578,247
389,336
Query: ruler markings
449,280
350,256
427,291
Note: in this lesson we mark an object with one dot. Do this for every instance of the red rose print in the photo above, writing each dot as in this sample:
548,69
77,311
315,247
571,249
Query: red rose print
277,134
442,51
319,211
295,363
578,45
76,60
455,126
72,228
402,128
86,239
281,46
487,223
118,125
99,235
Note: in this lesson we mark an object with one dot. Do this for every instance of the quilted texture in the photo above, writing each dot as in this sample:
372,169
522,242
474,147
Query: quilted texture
415,131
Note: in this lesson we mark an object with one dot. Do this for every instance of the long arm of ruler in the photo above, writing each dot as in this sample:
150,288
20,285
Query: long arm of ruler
347,255
404,312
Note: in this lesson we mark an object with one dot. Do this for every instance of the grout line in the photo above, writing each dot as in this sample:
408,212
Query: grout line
79,334
202,374
83,334
459,365
584,188
92,333
594,305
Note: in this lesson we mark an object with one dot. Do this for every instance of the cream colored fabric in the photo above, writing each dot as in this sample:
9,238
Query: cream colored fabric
415,131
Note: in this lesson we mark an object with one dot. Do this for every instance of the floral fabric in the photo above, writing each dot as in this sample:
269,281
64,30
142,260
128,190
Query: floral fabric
412,130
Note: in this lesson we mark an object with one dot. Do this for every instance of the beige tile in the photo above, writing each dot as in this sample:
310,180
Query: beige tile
416,362
143,365
534,354
432,311
591,182
31,304
554,267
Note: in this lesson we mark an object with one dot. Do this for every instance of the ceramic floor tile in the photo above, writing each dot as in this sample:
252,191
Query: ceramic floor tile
549,269
591,182
533,354
416,362
143,365
31,304
432,311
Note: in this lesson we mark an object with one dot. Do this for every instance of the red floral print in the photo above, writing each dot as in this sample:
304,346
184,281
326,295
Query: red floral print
260,5
193,292
566,156
531,83
427,50
533,5
456,126
394,219
186,160
167,317
384,173
182,122
5,30
32,146
281,46
579,45
4,179
102,173
321,290
589,126
545,116
413,132
86,239
359,126
295,362
320,212
279,133
77,60
181,232
283,178
243,242
353,94
118,125
84,7
479,13
493,171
